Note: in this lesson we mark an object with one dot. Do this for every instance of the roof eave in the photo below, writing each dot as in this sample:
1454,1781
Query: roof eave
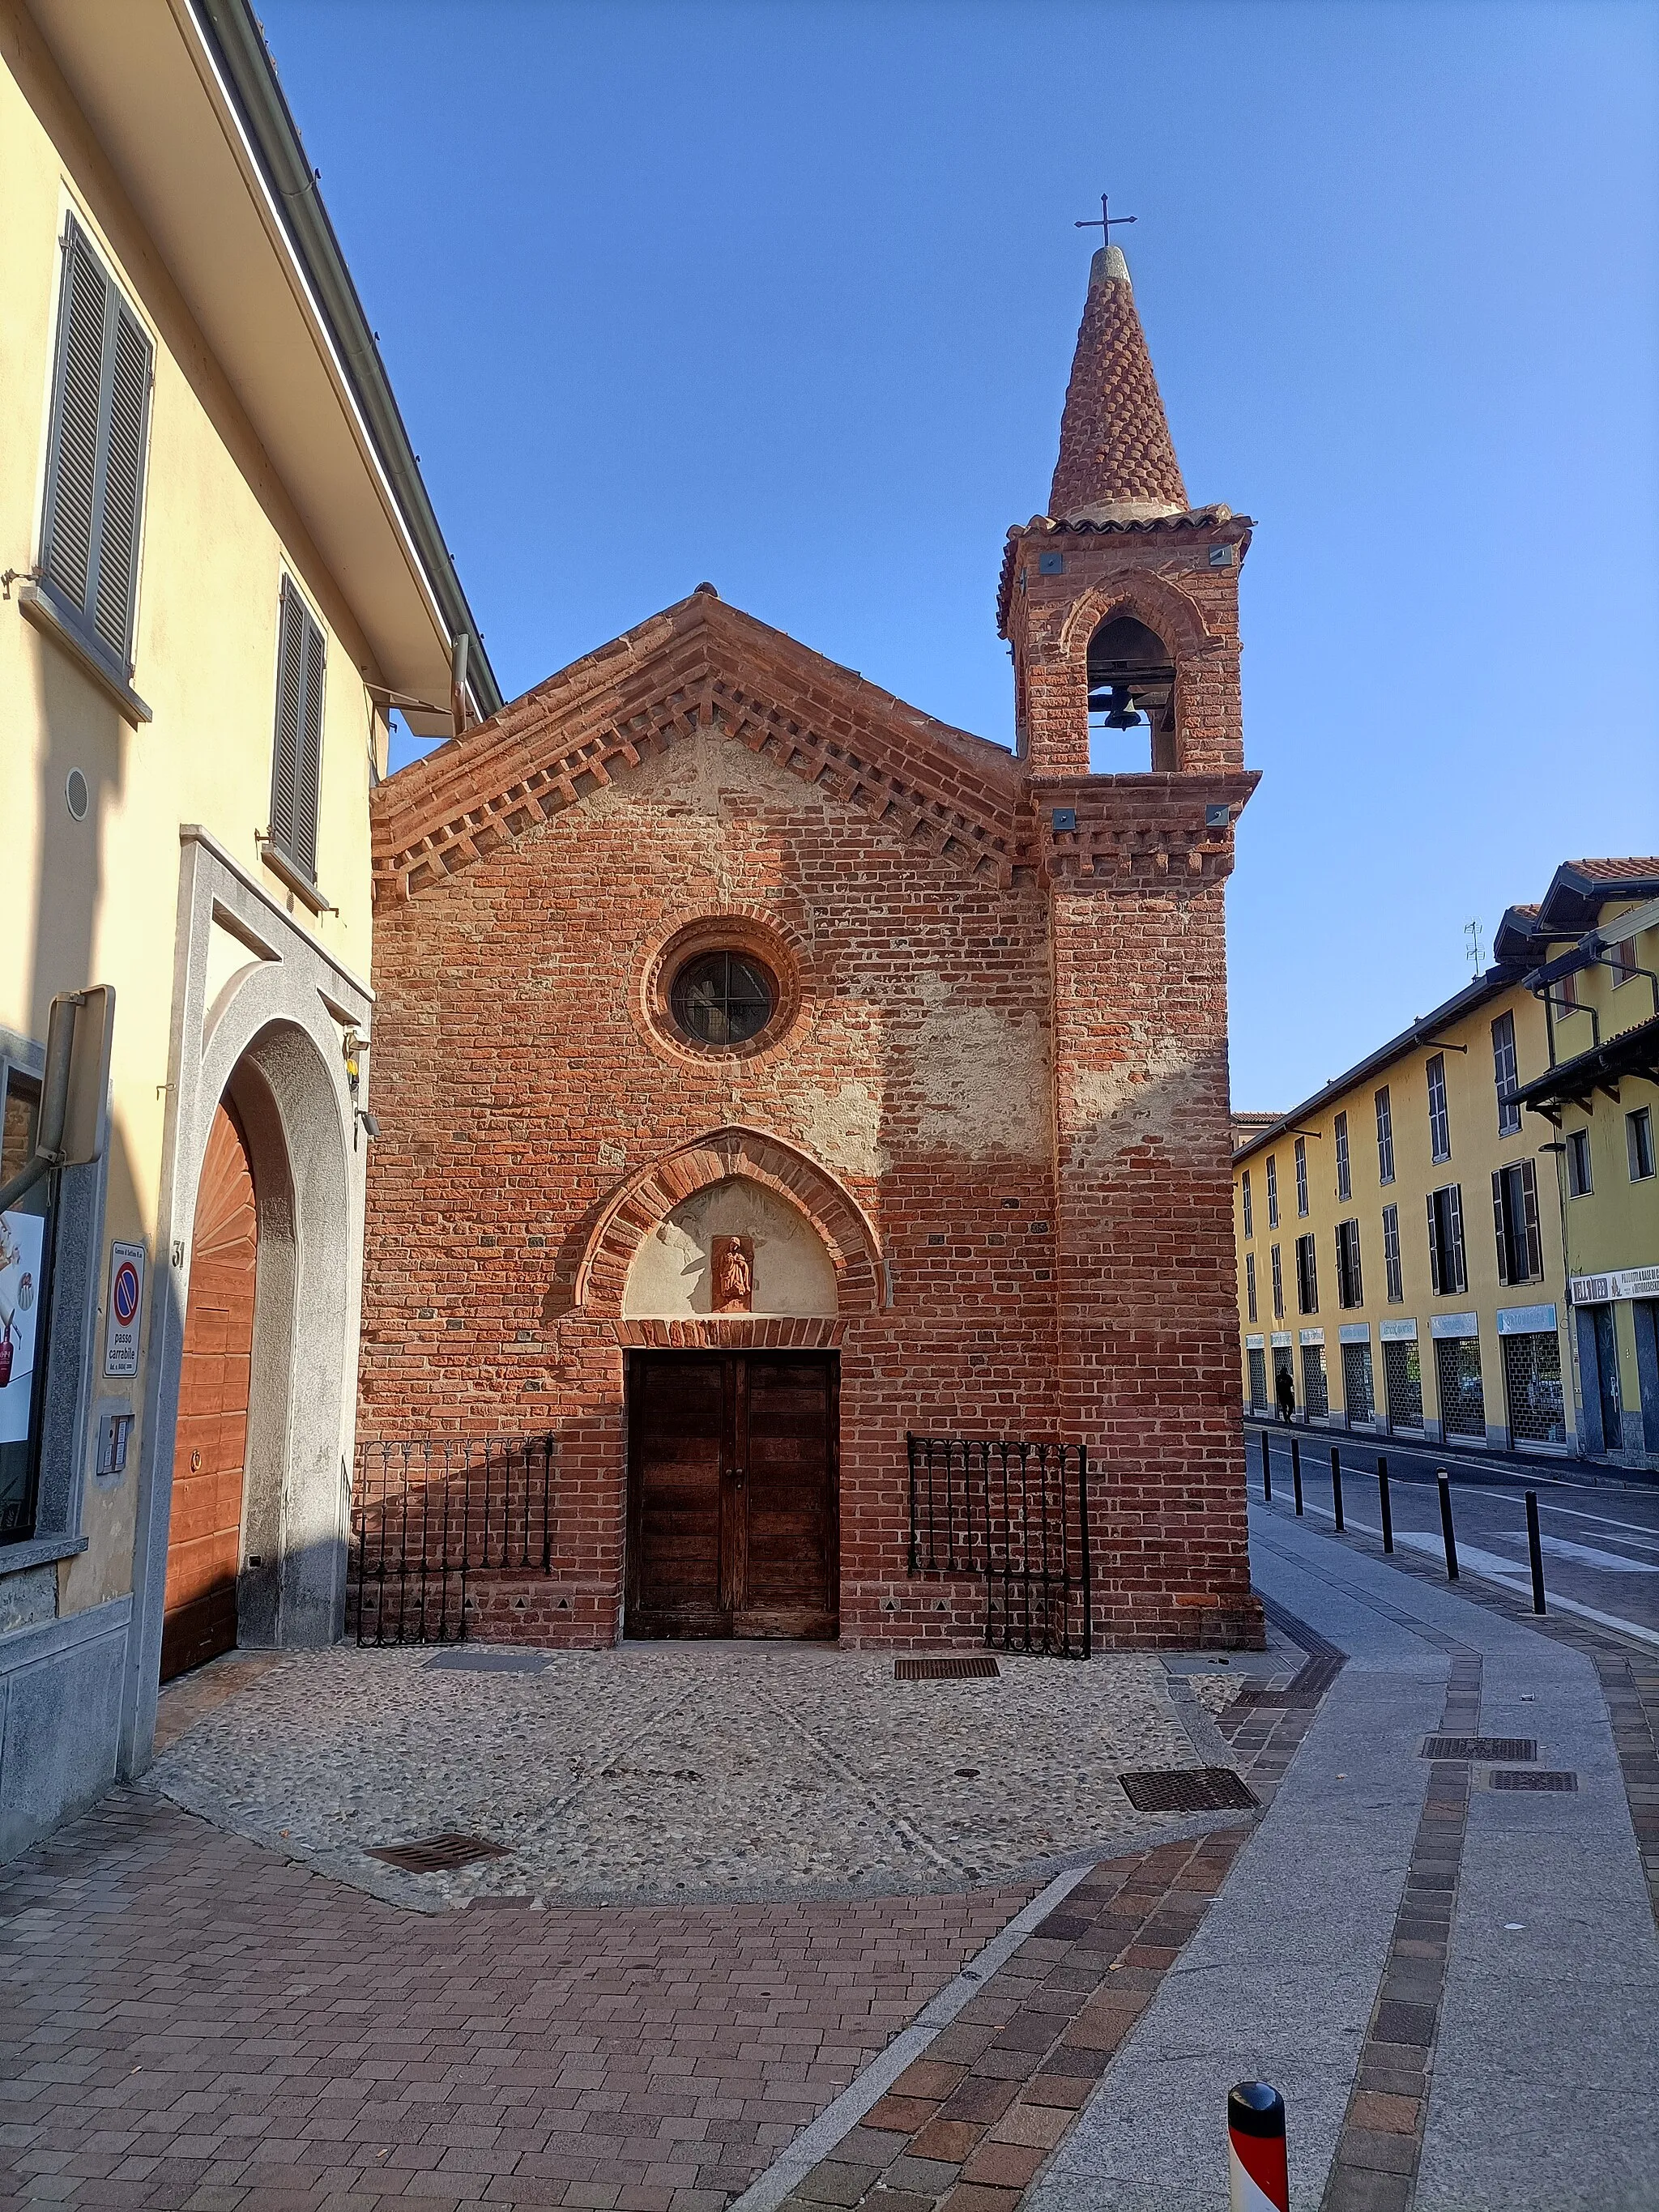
230,31
1495,982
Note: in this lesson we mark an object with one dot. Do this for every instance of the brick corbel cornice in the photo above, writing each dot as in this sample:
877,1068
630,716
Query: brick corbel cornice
1139,832
701,672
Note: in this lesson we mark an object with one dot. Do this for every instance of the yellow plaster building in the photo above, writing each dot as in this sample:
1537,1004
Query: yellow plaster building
221,572
1422,1254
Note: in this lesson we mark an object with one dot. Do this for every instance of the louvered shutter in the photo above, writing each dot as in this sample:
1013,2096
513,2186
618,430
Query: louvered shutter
1455,1238
307,793
1434,1246
72,485
290,711
96,474
297,752
123,478
1530,1208
1501,1224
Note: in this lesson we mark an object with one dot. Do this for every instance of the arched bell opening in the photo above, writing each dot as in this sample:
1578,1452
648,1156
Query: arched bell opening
1132,699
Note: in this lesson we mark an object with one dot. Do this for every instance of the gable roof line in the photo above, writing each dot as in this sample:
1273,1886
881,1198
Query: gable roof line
955,794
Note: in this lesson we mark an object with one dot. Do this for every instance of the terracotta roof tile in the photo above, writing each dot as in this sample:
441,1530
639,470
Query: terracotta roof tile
1114,445
1616,871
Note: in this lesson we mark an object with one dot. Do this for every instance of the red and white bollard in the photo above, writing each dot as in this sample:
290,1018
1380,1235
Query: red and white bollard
1258,2177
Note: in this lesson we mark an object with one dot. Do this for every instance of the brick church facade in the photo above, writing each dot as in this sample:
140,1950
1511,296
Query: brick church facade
766,1071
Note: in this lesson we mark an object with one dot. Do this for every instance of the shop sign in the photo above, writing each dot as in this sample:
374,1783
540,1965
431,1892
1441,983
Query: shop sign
1355,1332
21,1235
1622,1282
1397,1331
1455,1325
1281,1340
1310,1336
1253,1344
125,1309
1526,1321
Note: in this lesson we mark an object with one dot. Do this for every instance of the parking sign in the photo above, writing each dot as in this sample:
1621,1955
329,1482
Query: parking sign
126,1298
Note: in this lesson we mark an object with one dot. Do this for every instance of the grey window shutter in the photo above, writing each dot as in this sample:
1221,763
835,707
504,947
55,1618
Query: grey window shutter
1501,1224
1529,1207
290,714
1434,1246
123,478
95,473
1454,1223
306,791
72,483
297,752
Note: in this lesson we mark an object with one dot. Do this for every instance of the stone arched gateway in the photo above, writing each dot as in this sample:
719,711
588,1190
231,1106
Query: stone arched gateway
262,1013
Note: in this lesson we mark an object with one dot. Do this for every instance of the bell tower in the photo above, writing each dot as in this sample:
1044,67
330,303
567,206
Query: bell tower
1121,604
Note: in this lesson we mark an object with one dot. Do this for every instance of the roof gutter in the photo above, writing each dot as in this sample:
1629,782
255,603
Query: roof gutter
229,27
1503,977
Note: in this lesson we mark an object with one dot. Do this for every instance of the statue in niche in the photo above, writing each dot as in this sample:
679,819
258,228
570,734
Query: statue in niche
733,1274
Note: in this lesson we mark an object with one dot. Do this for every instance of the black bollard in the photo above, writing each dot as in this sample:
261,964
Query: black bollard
1336,1484
1447,1531
1535,1551
1383,1501
1267,1472
1295,1470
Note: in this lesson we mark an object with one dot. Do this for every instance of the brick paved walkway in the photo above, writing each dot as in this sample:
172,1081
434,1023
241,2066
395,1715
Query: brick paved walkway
195,2024
968,2125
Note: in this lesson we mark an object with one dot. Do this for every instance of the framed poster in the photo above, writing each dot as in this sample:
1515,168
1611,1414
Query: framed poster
22,1238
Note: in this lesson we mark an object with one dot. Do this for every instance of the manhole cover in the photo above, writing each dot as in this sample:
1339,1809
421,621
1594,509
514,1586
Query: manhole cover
438,1853
944,1670
1480,1747
1188,1790
491,1662
1530,1777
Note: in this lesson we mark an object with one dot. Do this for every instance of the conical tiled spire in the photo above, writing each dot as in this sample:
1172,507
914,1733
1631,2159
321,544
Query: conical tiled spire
1116,462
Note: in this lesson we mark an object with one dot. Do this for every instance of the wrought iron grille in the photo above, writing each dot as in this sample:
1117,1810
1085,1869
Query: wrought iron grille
1017,1514
429,1512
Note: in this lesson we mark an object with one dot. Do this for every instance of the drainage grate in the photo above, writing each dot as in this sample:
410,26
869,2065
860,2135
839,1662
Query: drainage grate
467,1659
944,1670
1480,1747
438,1853
1188,1790
1530,1777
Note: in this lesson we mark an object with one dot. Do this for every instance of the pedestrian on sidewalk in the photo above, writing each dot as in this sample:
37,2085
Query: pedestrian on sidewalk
1284,1391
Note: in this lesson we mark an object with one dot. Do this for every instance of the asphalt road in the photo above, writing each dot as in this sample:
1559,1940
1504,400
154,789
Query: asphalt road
1600,1543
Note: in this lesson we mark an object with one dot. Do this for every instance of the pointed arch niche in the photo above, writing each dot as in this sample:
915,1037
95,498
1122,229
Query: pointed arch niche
817,1259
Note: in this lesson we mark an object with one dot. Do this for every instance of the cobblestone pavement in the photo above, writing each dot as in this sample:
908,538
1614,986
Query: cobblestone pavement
677,1772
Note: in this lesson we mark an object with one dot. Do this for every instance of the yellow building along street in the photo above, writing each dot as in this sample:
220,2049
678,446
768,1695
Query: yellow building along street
1458,1239
222,573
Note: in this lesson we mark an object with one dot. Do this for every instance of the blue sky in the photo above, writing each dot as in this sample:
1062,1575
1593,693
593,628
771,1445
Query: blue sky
784,296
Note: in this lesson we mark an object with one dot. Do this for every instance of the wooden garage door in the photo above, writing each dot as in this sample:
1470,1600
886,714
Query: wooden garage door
732,1494
204,1532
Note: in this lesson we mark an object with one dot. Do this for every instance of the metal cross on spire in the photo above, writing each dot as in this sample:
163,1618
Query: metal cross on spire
1106,222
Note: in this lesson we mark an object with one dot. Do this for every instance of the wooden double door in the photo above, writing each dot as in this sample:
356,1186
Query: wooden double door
732,1494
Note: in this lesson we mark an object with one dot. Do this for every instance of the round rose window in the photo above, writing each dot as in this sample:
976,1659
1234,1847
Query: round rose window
723,998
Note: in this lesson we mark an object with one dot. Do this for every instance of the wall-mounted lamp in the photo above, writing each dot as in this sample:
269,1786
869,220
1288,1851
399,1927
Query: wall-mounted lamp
353,1047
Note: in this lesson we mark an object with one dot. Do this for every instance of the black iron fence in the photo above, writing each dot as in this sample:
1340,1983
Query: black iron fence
1016,1514
429,1512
